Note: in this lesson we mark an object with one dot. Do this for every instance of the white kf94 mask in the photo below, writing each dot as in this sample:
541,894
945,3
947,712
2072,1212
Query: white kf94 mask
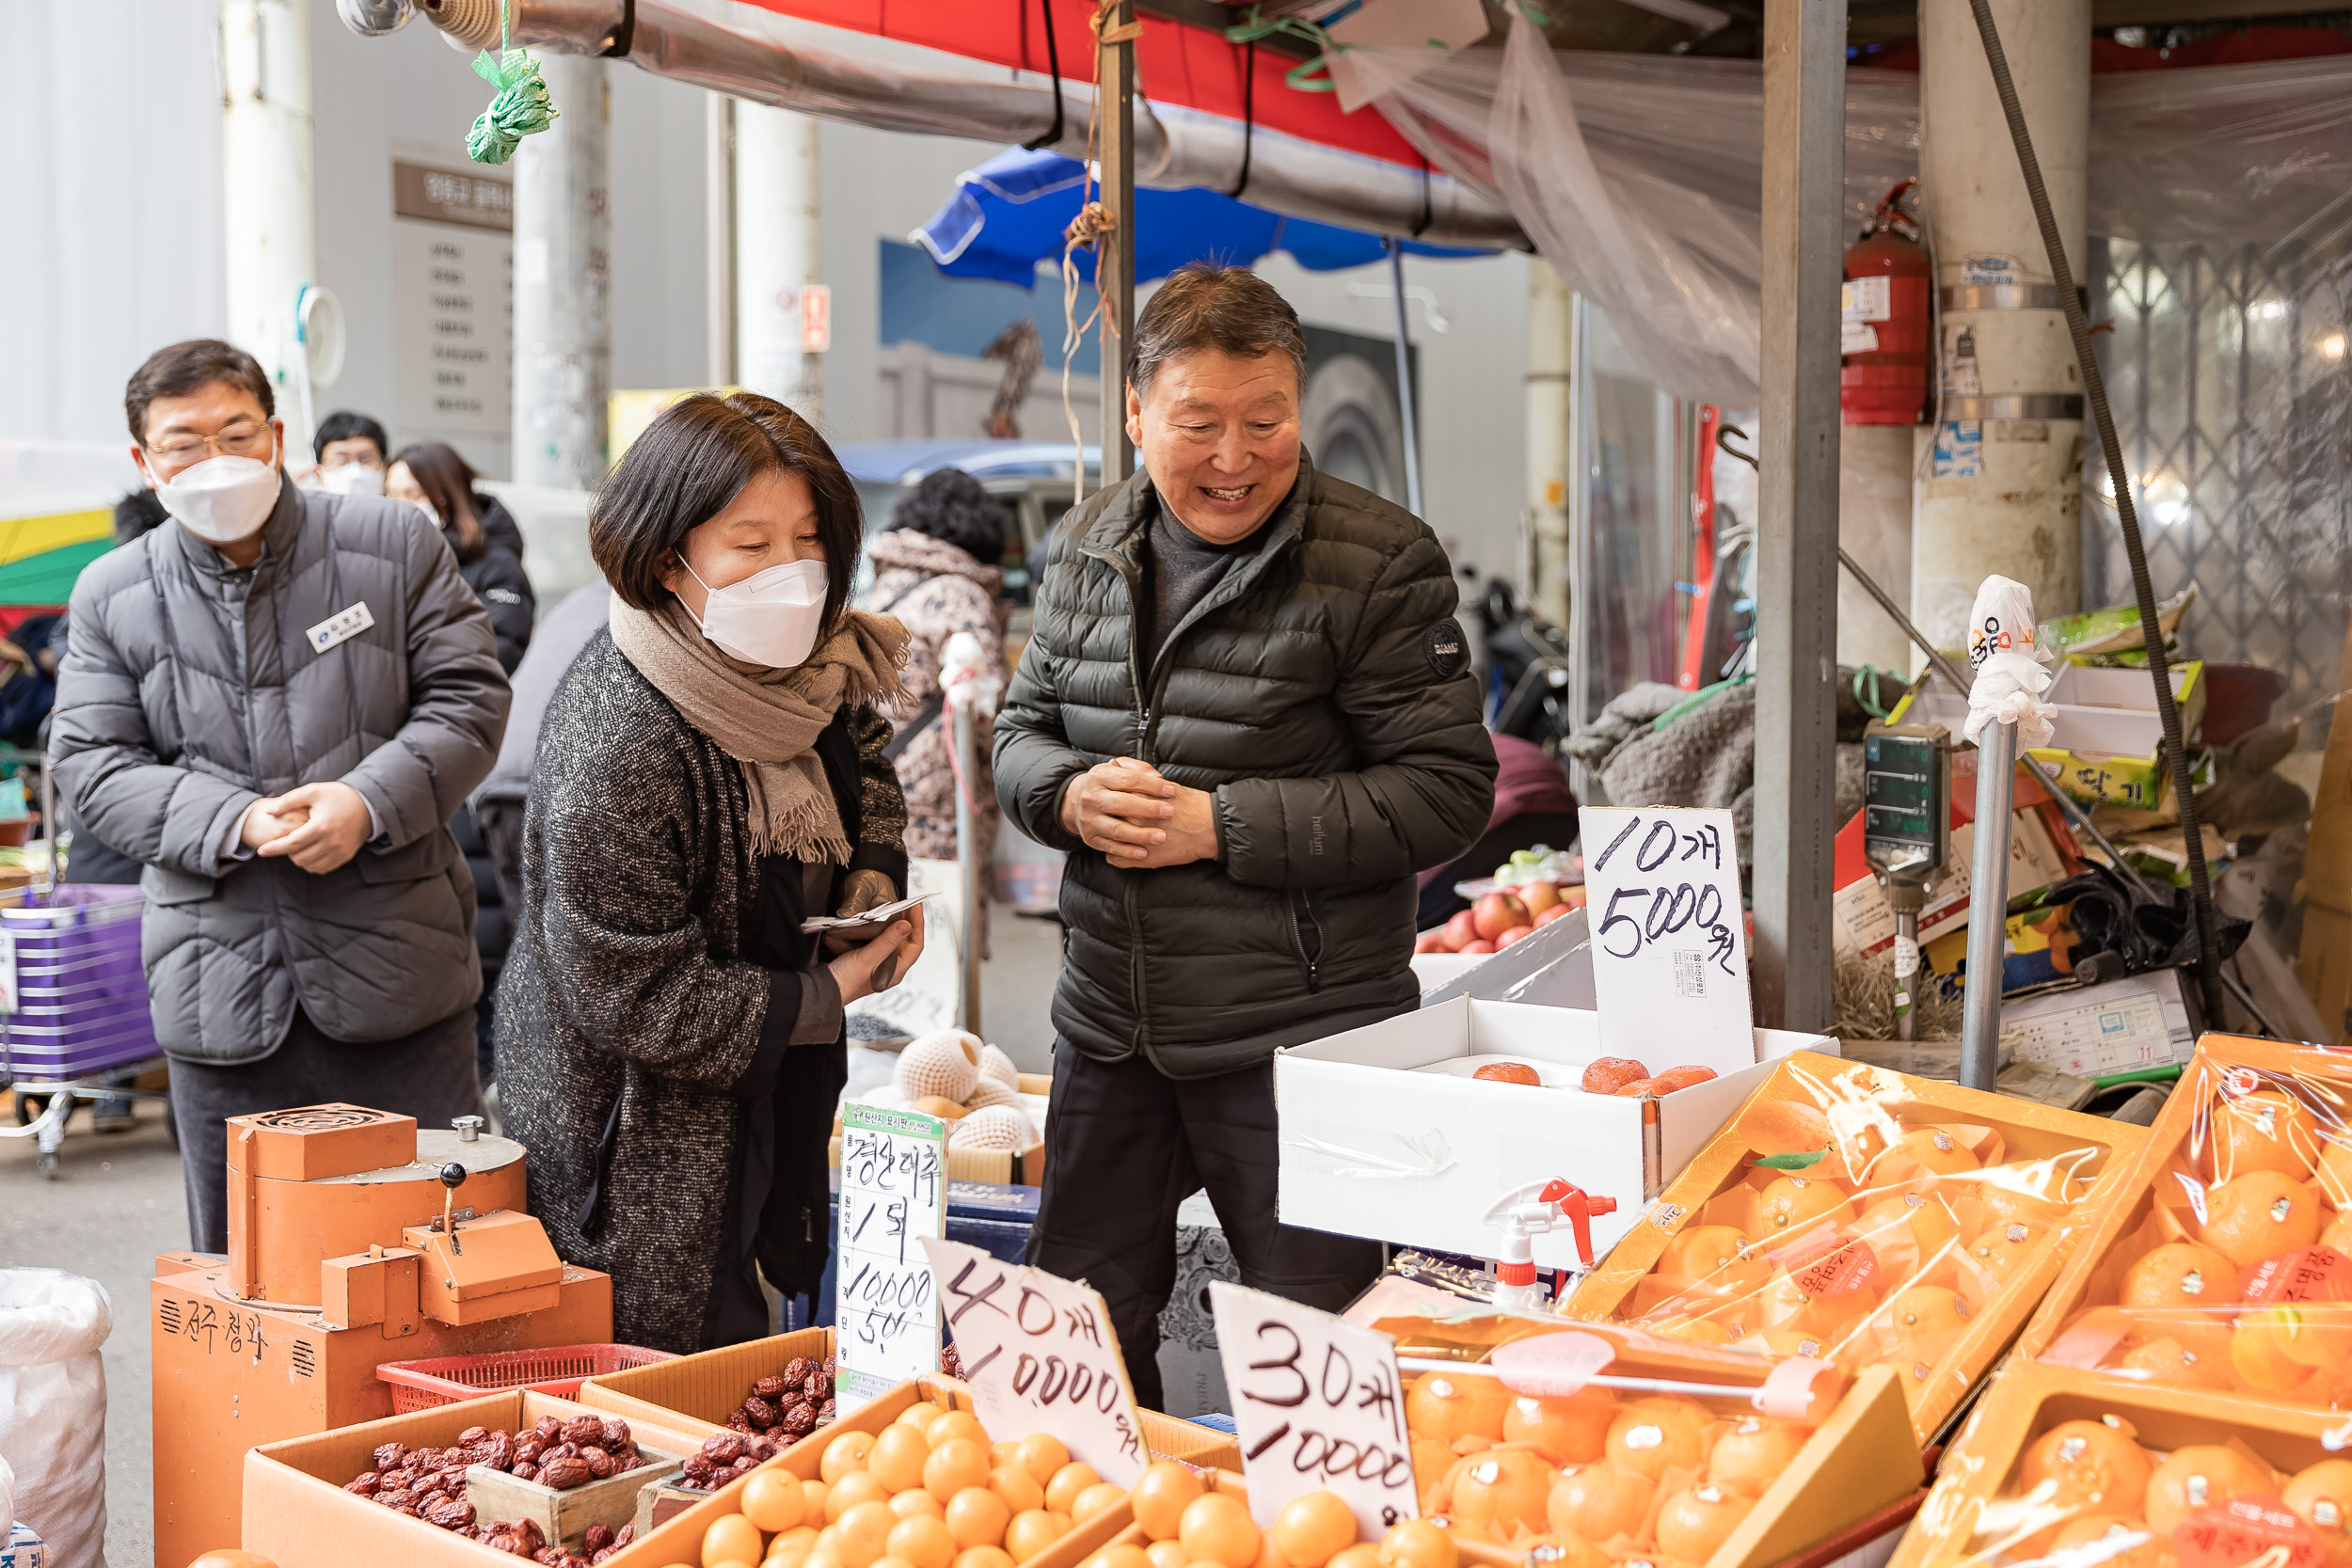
770,617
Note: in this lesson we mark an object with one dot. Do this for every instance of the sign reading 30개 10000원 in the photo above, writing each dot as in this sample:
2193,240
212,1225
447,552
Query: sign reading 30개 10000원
1039,1355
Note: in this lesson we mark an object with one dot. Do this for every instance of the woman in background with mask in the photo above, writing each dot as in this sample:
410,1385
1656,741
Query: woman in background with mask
429,475
709,774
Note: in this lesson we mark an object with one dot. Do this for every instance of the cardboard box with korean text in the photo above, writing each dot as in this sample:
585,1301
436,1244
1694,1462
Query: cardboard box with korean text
1385,1133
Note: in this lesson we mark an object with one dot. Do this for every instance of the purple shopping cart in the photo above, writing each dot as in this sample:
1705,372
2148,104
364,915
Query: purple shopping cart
69,956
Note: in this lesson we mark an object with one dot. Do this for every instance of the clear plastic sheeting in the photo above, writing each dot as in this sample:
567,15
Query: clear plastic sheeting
1639,177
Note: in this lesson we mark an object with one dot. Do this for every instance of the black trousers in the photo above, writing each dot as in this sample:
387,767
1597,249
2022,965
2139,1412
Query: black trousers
1124,1146
429,1075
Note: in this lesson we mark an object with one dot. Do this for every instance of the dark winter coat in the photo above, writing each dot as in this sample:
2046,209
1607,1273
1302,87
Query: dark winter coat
190,690
627,1017
1322,693
497,577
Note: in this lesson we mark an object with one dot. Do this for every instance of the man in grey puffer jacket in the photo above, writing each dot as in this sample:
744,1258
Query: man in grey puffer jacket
1247,712
275,703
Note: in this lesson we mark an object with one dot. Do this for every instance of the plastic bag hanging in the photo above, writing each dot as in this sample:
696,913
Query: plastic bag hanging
521,107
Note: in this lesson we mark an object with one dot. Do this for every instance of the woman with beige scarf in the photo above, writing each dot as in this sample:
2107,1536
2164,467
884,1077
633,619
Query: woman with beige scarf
710,775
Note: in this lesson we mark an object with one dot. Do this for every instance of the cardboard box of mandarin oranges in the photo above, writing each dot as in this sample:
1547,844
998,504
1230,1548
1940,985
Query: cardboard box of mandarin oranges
1866,1217
1596,1444
911,1475
2226,1265
699,1393
2056,1465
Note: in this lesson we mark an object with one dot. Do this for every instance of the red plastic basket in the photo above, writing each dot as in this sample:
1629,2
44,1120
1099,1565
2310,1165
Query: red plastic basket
558,1370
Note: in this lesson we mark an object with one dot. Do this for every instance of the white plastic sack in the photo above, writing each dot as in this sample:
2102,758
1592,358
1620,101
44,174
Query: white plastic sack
2011,676
53,1408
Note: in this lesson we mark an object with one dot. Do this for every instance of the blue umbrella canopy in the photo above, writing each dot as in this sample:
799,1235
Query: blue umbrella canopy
1008,216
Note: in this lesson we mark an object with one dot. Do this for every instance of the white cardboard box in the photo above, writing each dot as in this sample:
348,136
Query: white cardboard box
1385,1134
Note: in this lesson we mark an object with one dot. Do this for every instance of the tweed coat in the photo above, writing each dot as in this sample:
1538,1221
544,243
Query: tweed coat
1322,693
627,1014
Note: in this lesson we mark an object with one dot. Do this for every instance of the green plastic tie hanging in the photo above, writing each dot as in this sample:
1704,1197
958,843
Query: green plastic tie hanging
521,107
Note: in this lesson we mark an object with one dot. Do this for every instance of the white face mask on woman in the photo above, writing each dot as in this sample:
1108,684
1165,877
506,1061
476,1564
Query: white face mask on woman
770,617
222,499
352,479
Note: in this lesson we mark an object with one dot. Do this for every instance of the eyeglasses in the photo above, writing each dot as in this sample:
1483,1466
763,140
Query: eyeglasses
243,438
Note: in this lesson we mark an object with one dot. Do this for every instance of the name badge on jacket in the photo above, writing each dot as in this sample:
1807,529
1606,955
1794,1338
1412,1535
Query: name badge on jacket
341,626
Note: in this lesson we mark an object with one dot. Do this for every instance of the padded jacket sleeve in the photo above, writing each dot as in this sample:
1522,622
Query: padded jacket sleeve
1425,783
457,704
156,813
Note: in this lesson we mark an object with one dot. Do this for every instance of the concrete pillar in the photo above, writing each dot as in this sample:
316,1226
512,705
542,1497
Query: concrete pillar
564,281
1550,458
719,239
266,184
778,199
2003,487
1874,468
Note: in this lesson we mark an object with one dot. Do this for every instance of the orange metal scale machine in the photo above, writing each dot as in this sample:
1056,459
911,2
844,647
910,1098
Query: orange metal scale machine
348,1247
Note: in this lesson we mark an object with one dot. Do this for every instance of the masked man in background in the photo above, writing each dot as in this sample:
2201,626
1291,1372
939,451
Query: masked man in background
275,703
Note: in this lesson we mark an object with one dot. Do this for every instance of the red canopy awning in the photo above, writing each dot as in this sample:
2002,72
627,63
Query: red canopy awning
1174,63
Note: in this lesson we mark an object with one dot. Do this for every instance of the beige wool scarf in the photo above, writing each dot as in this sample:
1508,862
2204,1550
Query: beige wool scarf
768,719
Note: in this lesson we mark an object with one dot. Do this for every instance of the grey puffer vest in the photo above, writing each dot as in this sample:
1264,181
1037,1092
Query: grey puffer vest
1322,693
191,689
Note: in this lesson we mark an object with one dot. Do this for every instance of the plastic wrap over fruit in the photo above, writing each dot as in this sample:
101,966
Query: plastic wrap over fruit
1865,1223
2091,1490
1597,1442
2234,1274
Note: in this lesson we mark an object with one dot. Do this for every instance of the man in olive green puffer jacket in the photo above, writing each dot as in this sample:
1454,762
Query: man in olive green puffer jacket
1246,713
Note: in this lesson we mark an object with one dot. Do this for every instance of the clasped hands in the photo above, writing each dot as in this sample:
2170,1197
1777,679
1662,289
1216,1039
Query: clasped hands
317,826
1141,820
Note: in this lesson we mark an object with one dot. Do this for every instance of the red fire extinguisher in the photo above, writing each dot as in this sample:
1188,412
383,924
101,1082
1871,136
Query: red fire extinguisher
1883,376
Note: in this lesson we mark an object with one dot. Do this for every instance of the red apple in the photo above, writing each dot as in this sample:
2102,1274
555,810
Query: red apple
1496,912
1512,935
1460,930
1539,897
1555,912
1429,941
1481,946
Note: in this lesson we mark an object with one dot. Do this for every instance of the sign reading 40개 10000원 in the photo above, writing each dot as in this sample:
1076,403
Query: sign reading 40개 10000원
1670,964
1317,1407
1039,1355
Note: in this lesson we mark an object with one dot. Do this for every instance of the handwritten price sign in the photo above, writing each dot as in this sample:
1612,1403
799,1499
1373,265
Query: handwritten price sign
1317,1408
1670,971
1041,1357
894,1197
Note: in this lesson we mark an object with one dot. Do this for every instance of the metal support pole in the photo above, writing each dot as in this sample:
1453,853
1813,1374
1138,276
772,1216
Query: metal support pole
1115,269
1550,458
564,282
1988,908
1796,550
1906,969
719,239
969,862
1405,398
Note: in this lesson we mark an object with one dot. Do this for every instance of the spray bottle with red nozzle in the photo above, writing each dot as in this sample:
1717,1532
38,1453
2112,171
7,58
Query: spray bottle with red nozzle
1535,1208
